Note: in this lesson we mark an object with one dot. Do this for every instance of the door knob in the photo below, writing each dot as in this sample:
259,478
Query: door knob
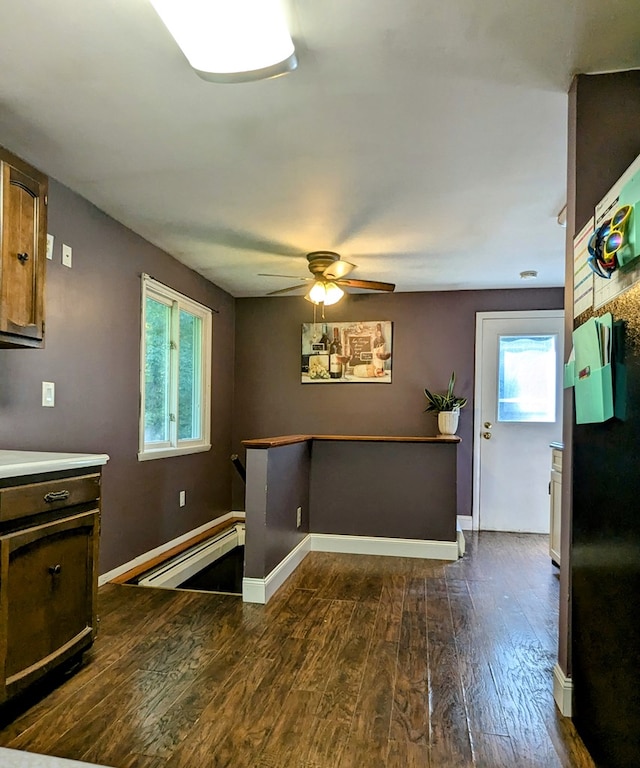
488,425
486,435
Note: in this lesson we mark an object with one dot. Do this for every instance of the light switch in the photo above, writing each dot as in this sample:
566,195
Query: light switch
50,240
48,394
66,255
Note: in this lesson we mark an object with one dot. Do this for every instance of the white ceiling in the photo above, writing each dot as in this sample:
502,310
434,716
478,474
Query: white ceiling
424,141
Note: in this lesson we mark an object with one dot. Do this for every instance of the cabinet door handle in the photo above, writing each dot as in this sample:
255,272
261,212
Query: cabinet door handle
55,570
56,496
23,257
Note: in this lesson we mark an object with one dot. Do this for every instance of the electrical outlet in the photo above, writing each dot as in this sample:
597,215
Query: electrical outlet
67,254
183,498
298,517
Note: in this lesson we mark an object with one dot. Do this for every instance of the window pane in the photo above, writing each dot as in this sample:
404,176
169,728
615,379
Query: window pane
189,382
156,390
175,374
527,378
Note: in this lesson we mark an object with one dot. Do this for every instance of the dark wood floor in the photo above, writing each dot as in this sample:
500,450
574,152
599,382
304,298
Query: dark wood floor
359,661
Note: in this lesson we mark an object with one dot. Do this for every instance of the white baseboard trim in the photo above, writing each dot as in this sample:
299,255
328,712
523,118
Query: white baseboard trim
262,590
562,691
377,545
462,544
465,522
152,553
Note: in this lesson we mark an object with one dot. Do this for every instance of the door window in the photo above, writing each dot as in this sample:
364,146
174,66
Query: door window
527,378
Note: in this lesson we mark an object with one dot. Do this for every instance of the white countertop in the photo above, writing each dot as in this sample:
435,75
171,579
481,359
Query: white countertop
18,463
11,758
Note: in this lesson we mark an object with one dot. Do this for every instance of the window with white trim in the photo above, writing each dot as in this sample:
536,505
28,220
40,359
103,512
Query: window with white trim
175,373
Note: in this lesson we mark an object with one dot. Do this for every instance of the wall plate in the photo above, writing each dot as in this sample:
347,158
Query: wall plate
67,255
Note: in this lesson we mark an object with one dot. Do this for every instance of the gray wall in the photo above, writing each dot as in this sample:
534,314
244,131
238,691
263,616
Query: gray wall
395,490
278,483
92,355
433,334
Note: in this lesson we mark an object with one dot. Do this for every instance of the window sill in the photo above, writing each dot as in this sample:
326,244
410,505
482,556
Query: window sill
165,453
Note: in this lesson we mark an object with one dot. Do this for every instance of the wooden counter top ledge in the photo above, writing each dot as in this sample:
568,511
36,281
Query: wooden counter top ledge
275,442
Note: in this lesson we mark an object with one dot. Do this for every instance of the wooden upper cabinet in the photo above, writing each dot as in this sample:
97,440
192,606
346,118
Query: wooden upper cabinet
23,243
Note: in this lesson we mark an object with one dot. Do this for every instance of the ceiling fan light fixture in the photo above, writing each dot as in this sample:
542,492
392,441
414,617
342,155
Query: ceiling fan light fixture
325,292
231,40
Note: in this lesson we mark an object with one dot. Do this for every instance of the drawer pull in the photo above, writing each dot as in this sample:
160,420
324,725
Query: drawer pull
55,570
56,496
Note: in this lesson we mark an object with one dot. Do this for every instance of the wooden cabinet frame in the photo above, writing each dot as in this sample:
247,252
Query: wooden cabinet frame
23,245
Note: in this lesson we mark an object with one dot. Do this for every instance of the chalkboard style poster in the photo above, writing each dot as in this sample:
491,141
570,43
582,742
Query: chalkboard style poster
347,353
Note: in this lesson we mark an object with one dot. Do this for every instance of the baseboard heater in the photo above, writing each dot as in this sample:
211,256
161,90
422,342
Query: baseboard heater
182,567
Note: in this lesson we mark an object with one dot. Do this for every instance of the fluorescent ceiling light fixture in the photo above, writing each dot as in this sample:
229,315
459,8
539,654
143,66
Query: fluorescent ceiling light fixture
325,292
231,40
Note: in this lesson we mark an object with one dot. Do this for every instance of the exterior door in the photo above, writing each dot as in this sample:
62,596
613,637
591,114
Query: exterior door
518,413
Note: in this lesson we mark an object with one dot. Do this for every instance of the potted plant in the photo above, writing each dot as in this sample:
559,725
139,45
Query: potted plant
447,406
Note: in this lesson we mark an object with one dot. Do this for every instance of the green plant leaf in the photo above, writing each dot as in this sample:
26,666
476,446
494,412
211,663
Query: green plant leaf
444,402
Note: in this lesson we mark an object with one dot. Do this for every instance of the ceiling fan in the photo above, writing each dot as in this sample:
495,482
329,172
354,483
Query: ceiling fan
329,273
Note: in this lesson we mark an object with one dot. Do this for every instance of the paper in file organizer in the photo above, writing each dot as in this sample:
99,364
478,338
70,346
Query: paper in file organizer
593,380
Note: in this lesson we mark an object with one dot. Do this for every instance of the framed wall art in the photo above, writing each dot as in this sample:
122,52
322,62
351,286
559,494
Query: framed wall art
347,353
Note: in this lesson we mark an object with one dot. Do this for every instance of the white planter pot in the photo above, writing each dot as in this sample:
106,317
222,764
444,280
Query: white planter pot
448,422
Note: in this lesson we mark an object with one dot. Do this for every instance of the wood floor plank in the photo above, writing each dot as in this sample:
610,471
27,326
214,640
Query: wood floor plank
474,647
326,742
519,701
326,644
287,741
449,735
354,583
492,751
285,615
89,737
353,755
119,638
311,625
372,716
390,607
408,755
161,736
356,661
410,714
202,742
139,761
345,676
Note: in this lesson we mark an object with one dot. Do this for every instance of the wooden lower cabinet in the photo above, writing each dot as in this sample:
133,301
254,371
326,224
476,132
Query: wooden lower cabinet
48,584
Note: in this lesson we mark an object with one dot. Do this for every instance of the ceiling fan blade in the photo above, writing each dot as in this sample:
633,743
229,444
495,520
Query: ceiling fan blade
286,290
338,269
293,277
371,285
